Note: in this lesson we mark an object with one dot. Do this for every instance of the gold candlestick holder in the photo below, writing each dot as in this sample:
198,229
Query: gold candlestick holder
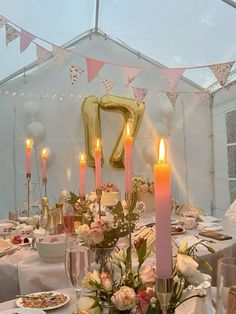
164,290
130,202
28,177
45,181
99,196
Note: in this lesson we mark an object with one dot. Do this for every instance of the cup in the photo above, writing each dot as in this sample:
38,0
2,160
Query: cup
188,222
13,215
226,286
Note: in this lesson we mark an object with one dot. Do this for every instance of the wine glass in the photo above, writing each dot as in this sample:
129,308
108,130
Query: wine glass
226,286
76,264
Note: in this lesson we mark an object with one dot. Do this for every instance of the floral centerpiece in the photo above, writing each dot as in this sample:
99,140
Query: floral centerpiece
119,291
144,189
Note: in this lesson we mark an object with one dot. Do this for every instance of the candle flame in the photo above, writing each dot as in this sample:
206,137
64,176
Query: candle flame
45,152
161,151
128,130
28,143
82,157
98,143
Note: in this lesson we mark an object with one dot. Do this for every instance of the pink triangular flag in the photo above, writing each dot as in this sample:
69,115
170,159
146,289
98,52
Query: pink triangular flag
172,96
130,74
172,77
139,94
93,68
25,39
75,72
11,33
2,21
107,84
42,54
59,55
221,71
202,96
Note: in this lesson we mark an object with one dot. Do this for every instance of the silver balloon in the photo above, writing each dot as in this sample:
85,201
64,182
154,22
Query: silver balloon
36,131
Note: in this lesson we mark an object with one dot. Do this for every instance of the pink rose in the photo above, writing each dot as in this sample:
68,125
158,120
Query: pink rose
106,281
144,298
124,298
144,188
100,224
148,275
96,236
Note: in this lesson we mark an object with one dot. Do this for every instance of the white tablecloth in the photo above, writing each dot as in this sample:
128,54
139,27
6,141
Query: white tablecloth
24,272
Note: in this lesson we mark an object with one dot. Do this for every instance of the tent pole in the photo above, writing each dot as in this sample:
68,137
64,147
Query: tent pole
212,168
97,15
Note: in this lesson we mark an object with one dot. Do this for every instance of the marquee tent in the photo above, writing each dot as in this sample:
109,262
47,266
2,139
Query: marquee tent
175,49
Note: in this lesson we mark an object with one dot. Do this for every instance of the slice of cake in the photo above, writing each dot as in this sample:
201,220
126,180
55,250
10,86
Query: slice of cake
110,195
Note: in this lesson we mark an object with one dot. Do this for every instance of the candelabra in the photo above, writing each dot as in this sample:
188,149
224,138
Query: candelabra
28,177
130,203
45,181
99,196
164,290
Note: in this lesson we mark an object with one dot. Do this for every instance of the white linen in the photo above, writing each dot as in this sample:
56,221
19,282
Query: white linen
191,241
207,226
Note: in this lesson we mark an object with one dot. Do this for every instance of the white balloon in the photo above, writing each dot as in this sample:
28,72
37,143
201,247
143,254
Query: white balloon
150,154
31,109
161,128
36,131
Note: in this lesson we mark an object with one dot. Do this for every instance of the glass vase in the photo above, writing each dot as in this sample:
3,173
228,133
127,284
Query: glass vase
101,258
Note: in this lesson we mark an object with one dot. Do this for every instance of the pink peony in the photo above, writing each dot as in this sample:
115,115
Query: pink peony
124,299
148,274
99,224
144,298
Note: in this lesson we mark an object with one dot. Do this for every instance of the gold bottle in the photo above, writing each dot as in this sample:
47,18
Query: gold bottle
59,218
45,212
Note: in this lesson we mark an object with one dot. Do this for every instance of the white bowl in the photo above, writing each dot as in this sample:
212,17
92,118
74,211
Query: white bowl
51,249
6,228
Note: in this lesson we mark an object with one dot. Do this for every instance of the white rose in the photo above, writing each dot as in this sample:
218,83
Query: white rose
82,231
186,265
92,280
148,274
86,304
92,198
124,298
95,236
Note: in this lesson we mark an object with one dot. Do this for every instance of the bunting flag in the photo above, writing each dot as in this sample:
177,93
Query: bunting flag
221,71
93,68
2,21
25,40
107,84
11,33
139,94
58,55
172,96
202,96
130,74
172,76
42,54
75,72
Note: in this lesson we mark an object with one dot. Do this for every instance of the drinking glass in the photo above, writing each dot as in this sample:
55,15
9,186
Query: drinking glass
76,264
226,286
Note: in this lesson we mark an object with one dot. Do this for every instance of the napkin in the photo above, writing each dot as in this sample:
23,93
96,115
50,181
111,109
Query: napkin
191,240
4,245
209,226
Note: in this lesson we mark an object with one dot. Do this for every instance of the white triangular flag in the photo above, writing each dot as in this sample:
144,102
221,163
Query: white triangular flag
42,54
221,71
75,72
172,96
11,33
107,84
59,55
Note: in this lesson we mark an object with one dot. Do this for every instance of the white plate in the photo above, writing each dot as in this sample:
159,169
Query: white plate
23,311
19,301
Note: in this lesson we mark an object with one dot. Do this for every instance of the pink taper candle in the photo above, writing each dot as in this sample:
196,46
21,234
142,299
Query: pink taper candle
44,163
163,215
82,164
128,160
98,170
28,147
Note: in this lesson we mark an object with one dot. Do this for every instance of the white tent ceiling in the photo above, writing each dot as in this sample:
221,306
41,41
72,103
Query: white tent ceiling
175,33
